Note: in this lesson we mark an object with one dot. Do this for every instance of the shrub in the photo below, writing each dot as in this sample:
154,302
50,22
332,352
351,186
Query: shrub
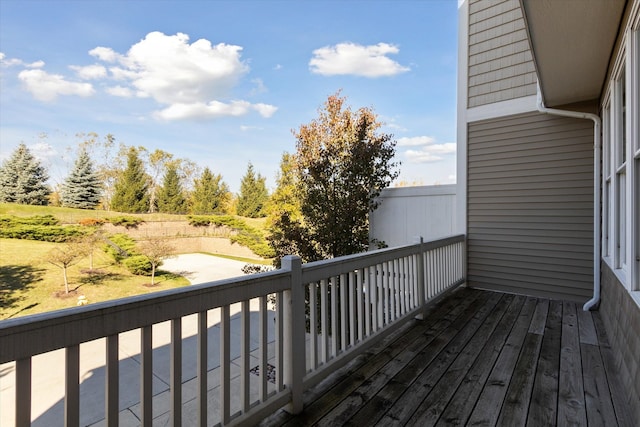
126,221
91,222
256,268
199,221
31,220
120,246
42,228
138,265
246,235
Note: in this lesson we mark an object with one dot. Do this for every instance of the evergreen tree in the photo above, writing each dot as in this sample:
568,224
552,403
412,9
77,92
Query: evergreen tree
210,194
82,188
23,179
253,195
170,196
131,189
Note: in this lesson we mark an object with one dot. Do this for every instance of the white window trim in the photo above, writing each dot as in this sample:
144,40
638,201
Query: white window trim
627,62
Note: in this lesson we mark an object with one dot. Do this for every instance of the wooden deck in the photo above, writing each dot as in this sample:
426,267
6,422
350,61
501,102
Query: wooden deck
479,358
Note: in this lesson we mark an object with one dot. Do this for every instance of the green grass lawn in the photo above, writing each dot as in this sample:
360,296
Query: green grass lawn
29,284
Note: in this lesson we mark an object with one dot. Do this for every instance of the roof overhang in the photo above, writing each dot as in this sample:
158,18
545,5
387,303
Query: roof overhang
572,42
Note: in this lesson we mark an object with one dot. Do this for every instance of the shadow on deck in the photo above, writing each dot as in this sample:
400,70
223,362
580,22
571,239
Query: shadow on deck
479,358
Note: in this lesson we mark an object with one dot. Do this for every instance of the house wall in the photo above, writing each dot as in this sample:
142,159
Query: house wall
407,212
530,205
500,65
621,318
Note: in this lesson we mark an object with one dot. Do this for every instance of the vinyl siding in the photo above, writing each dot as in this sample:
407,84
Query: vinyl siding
500,62
530,205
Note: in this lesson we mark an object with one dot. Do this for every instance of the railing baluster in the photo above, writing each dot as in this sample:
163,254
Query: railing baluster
360,300
245,336
146,375
406,285
420,279
313,326
23,392
343,311
202,368
324,321
387,305
112,382
334,315
279,341
368,285
176,372
262,362
396,289
413,285
374,299
225,365
72,386
353,298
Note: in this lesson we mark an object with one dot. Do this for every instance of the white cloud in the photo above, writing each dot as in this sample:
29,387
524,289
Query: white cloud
213,109
171,70
245,128
104,53
47,87
90,72
189,79
355,59
415,141
430,153
265,110
15,61
259,87
123,92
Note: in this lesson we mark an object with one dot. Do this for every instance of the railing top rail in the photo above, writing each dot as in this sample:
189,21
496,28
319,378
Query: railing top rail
30,335
317,270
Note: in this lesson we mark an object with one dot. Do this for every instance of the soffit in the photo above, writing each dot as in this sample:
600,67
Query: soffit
571,43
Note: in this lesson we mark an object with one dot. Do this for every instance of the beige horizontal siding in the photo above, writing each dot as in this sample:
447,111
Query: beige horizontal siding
500,62
530,205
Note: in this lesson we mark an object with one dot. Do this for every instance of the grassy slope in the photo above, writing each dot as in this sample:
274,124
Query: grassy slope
28,282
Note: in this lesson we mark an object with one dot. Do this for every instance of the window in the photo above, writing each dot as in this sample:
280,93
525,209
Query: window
634,118
620,166
606,188
621,162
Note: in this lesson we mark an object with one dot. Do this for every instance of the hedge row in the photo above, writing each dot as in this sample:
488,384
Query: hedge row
45,228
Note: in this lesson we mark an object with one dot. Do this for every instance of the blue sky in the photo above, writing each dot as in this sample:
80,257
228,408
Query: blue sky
223,83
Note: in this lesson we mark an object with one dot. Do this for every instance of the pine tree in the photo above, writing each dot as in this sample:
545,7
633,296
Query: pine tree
253,195
82,188
23,179
170,196
131,189
210,194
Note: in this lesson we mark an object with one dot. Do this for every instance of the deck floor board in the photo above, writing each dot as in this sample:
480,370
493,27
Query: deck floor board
478,358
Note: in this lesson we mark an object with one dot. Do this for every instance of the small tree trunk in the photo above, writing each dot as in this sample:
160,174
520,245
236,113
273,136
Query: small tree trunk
66,281
153,274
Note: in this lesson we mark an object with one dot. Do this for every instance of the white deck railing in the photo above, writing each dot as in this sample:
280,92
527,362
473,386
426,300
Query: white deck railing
336,308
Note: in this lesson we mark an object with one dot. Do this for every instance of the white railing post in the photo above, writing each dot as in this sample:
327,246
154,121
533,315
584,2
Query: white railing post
294,320
420,277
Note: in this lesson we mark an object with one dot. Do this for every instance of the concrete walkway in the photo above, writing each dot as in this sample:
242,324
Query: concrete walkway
48,369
